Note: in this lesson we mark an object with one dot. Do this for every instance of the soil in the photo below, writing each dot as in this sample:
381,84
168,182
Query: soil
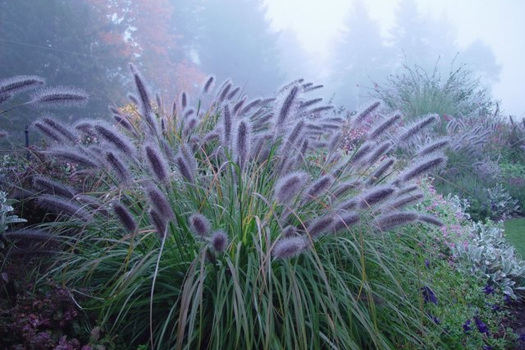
516,321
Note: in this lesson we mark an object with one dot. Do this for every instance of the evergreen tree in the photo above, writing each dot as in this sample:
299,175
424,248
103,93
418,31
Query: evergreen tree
58,40
420,39
361,57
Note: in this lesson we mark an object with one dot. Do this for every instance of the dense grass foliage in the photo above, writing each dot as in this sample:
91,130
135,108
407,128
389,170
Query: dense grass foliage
224,222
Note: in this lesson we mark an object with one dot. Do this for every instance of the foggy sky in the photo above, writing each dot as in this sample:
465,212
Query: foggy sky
499,24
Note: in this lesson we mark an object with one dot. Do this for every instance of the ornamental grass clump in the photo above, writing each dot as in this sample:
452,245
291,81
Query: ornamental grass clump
253,229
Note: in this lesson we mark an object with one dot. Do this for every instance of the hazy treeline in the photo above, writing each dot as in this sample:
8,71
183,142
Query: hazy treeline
89,43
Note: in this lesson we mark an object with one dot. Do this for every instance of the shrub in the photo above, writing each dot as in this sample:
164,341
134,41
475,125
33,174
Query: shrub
242,225
416,92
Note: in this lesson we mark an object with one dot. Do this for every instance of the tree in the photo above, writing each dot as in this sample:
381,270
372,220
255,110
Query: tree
56,39
235,42
421,40
360,57
480,58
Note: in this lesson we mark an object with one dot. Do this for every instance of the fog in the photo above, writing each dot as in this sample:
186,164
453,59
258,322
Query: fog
498,25
349,46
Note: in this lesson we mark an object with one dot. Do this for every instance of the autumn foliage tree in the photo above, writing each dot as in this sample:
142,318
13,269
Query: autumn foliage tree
143,30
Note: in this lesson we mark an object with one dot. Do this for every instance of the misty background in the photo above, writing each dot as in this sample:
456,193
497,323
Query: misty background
351,47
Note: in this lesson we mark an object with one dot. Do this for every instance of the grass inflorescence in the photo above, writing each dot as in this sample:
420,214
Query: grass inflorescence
243,224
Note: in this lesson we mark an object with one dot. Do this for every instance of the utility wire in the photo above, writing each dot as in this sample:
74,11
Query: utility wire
56,50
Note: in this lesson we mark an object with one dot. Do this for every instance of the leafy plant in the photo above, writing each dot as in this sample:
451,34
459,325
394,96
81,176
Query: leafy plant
6,218
502,204
490,256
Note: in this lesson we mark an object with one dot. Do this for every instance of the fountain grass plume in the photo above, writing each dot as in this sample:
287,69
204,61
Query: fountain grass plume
123,121
344,221
383,127
289,247
348,204
61,205
402,201
237,107
362,151
95,204
318,187
116,138
59,96
433,147
189,157
366,112
188,113
344,188
286,106
20,83
376,195
199,225
430,219
250,105
50,132
320,225
184,169
417,127
208,84
158,100
423,166
60,128
379,151
309,103
390,220
289,186
296,134
227,125
125,217
321,109
242,143
233,93
219,241
407,189
159,222
312,88
378,173
122,171
145,102
159,201
183,100
74,155
224,91
53,187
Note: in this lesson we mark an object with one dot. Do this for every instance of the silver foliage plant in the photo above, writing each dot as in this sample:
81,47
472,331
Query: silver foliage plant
278,159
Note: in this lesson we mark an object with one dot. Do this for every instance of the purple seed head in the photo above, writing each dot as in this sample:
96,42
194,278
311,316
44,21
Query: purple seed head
207,86
199,225
388,221
125,217
219,241
289,247
20,83
59,96
289,186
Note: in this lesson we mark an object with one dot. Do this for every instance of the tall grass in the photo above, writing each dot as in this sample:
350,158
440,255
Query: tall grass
242,225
